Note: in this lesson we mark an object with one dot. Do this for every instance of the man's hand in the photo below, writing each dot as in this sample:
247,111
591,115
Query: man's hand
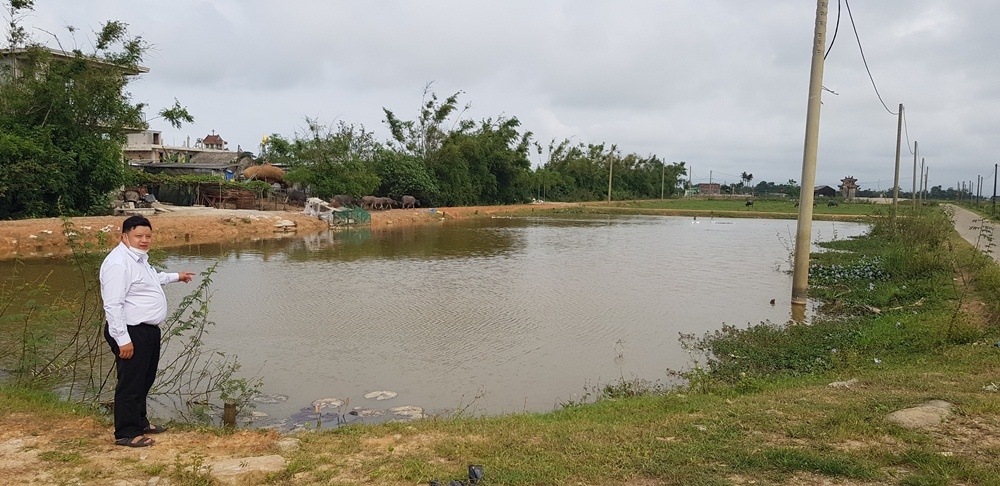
185,276
125,352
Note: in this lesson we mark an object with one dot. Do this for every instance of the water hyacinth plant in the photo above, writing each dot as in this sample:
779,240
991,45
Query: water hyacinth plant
865,269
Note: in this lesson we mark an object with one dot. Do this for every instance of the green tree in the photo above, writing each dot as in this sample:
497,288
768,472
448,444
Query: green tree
64,117
402,174
580,173
746,178
424,136
582,168
329,162
484,163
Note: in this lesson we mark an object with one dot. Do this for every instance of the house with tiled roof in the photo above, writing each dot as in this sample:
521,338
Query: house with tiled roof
213,142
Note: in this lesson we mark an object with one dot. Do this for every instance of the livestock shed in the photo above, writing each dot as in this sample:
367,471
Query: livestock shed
825,191
216,196
219,170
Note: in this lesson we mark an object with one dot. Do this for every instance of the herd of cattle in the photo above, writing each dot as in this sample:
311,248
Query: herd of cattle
374,202
296,196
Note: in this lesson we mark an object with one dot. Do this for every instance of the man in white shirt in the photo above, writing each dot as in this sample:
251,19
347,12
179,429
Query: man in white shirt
134,306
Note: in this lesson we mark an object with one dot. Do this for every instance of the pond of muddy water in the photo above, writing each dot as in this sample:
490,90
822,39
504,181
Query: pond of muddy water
485,316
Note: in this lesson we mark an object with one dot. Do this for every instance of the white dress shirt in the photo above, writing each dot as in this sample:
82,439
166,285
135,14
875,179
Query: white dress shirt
132,291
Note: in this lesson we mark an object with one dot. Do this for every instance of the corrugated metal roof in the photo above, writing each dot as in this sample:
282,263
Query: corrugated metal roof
190,166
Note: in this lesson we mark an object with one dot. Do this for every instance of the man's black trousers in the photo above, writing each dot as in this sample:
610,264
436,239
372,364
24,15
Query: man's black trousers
135,378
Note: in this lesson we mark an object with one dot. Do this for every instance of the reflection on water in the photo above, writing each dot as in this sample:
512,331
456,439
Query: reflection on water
498,315
490,316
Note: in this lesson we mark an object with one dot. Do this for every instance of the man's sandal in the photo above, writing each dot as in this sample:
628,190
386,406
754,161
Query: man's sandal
137,441
154,429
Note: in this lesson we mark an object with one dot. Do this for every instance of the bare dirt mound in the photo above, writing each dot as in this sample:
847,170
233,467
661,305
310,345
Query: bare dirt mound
32,238
179,226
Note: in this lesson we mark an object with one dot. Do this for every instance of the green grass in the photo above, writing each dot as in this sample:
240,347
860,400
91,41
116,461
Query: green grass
736,207
757,405
903,321
43,404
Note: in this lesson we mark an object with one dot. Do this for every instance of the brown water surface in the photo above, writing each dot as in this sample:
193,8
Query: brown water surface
491,316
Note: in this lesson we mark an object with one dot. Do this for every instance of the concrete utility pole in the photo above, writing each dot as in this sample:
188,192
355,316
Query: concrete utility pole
913,195
979,190
926,189
803,233
994,188
895,181
611,166
921,179
663,174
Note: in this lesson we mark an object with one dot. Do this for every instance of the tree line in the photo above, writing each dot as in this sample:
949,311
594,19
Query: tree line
444,159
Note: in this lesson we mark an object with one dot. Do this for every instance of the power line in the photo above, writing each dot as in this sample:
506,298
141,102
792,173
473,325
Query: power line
856,36
907,130
836,28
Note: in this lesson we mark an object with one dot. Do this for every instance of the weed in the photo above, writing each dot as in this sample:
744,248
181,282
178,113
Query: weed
60,456
191,471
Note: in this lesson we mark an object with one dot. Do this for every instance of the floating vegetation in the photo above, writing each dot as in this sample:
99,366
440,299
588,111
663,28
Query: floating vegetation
381,395
269,398
366,412
865,269
327,403
408,412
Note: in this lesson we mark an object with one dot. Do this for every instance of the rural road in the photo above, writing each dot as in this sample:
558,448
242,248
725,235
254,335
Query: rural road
964,221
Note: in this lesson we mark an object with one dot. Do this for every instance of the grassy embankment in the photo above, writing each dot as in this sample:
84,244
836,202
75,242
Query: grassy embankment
737,208
986,209
912,318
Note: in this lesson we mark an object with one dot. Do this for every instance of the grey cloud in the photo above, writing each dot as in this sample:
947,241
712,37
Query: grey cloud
721,84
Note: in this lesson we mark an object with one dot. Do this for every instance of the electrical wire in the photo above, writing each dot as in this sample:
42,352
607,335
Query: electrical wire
836,28
907,131
856,36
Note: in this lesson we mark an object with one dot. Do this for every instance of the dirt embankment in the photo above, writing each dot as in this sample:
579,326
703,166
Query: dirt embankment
179,226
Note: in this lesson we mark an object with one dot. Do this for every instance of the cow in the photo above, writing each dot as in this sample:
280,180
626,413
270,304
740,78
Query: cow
409,202
296,196
385,203
342,201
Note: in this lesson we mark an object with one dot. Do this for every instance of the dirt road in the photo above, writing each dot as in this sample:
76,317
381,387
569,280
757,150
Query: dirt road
965,221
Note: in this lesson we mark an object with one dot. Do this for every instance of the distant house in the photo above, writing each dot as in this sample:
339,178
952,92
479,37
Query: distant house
144,147
148,148
213,142
824,191
709,189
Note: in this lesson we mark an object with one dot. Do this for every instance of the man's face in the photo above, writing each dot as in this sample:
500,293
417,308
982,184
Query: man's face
139,237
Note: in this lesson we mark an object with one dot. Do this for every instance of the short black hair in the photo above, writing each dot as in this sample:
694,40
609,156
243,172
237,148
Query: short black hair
133,221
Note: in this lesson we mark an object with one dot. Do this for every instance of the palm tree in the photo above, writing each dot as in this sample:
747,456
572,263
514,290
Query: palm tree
746,178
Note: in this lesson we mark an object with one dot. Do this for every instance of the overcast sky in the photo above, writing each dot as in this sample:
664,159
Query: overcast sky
720,84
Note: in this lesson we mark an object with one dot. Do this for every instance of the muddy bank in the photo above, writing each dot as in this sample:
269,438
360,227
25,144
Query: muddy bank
178,226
